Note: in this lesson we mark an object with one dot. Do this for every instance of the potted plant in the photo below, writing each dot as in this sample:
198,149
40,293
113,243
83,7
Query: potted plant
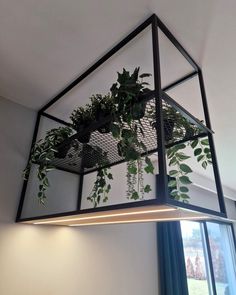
127,128
81,118
44,152
103,107
127,93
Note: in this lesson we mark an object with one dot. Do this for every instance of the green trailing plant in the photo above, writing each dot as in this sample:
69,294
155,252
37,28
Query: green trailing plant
127,93
178,128
128,130
179,172
102,186
135,181
43,153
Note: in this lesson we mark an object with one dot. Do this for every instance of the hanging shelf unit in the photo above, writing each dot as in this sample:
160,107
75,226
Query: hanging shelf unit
162,207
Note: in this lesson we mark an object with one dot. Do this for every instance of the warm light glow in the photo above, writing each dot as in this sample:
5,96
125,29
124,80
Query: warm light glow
107,215
142,220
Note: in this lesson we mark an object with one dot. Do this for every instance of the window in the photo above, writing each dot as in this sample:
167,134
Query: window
210,258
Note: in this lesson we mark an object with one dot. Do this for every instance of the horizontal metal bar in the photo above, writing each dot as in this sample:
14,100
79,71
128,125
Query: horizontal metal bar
195,208
180,81
184,112
176,43
55,119
185,140
94,210
104,58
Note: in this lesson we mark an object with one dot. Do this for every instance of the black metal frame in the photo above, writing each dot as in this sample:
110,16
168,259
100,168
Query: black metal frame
160,94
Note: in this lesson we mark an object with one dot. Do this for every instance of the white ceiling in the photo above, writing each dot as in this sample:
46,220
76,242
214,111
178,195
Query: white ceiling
46,44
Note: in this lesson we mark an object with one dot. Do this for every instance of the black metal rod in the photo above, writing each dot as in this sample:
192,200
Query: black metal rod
23,191
179,204
180,81
136,204
187,139
210,263
56,119
176,43
185,113
162,190
104,58
212,145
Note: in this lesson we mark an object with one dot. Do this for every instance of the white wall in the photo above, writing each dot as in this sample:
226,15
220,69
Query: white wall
34,260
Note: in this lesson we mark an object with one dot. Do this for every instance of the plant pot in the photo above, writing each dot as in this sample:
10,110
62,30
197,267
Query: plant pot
89,156
62,151
168,129
105,128
138,110
85,138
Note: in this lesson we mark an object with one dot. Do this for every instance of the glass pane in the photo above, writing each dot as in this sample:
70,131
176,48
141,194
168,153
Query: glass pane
223,257
195,259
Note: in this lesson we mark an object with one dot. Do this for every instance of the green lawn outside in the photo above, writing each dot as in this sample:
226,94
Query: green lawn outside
197,287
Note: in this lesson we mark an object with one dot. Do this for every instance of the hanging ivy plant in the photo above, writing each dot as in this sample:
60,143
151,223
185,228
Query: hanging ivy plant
102,186
43,153
128,129
179,175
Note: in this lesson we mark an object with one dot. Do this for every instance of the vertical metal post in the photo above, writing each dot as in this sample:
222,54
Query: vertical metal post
212,145
162,190
23,191
209,256
81,181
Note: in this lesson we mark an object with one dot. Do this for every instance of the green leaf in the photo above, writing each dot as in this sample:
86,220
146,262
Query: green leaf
205,141
185,180
115,129
135,196
173,161
209,156
169,153
127,134
185,168
149,168
174,193
184,196
182,156
144,75
194,143
180,146
199,158
204,164
109,175
172,183
173,172
183,189
197,151
147,188
132,169
206,150
131,154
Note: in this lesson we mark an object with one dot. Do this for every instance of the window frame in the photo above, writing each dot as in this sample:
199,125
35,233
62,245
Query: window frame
206,241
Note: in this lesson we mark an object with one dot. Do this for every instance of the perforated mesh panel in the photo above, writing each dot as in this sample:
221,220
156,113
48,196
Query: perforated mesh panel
81,158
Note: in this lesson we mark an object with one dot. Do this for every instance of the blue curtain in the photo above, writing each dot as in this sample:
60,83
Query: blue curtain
172,272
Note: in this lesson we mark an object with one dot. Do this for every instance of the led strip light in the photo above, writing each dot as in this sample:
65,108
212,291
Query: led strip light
141,220
107,215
